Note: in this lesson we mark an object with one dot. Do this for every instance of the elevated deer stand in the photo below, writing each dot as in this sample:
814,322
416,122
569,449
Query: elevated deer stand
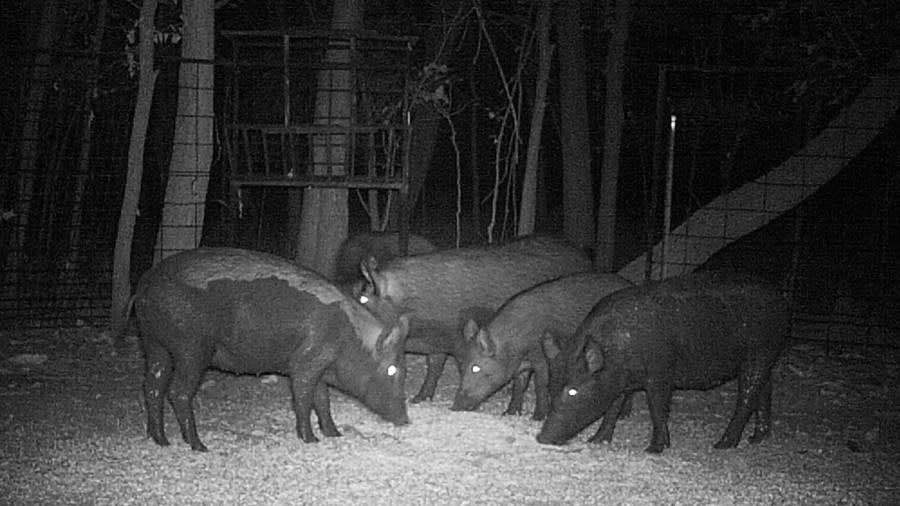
321,109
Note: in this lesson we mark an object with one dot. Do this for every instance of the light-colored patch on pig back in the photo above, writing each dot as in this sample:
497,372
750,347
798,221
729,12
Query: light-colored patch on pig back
241,265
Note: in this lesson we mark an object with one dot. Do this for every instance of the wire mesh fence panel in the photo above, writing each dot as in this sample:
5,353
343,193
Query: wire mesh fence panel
810,202
65,159
62,171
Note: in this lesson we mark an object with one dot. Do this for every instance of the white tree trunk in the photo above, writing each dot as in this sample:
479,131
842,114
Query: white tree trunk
184,206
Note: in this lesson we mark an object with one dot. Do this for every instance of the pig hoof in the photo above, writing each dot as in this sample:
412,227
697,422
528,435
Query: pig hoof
199,447
757,437
544,440
420,398
160,440
538,416
513,411
655,448
309,438
725,444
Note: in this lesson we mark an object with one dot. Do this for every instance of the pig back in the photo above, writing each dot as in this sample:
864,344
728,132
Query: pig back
704,324
254,309
446,287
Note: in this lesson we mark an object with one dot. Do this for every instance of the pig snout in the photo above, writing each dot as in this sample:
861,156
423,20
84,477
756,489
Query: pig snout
464,402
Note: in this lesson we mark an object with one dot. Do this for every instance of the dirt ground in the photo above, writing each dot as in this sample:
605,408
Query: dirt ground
72,431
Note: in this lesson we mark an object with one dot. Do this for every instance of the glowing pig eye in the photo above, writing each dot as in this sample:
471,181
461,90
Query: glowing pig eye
572,392
363,299
476,369
391,370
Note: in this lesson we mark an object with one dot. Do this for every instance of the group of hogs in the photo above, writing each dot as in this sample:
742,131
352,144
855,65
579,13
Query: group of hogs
529,307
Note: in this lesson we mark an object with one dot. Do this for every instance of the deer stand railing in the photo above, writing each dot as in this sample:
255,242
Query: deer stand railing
326,109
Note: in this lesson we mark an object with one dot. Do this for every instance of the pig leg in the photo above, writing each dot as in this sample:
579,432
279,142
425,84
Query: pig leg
659,402
763,425
306,380
190,365
322,406
517,392
625,412
541,395
753,385
608,425
436,363
156,383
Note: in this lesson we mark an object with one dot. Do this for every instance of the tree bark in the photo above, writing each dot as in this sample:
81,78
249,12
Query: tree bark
426,120
184,207
474,163
578,204
324,219
121,274
613,120
529,180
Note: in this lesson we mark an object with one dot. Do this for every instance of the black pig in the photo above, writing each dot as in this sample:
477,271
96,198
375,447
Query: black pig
692,332
383,246
249,312
445,289
509,345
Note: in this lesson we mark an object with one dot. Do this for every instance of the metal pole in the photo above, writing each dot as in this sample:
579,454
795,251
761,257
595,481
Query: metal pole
656,170
286,94
403,192
667,211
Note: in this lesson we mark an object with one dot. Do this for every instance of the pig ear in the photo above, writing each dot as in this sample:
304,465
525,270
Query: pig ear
374,279
403,322
397,334
550,345
470,329
486,342
473,333
594,357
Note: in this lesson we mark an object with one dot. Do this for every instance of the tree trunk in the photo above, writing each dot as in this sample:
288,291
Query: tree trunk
529,180
324,219
578,203
612,138
121,275
426,120
474,163
425,124
181,225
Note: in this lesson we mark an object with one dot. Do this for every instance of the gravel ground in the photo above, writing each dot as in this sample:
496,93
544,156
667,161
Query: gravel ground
72,432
